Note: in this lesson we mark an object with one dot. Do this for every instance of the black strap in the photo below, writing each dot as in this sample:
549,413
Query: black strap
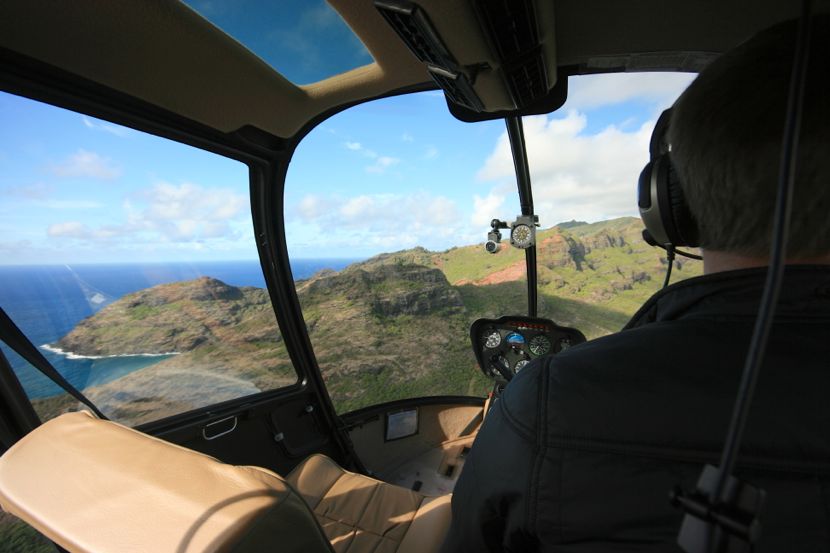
15,339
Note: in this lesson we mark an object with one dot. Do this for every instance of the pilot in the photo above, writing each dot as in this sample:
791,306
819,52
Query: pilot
582,449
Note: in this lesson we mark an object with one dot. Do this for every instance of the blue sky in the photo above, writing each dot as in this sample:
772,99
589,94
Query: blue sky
402,172
286,34
378,177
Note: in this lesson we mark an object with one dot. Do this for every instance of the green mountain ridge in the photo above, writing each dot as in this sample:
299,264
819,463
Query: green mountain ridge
605,263
390,327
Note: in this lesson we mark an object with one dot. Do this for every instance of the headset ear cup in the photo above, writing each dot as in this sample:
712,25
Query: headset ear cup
653,205
660,197
684,231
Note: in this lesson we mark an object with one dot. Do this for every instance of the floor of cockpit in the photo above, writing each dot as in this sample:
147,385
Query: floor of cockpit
435,471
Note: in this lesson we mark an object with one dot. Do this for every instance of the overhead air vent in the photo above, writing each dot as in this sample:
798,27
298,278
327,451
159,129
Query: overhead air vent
527,79
457,88
512,31
510,25
489,56
415,29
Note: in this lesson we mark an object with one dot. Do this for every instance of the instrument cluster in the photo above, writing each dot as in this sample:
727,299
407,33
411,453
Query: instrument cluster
504,346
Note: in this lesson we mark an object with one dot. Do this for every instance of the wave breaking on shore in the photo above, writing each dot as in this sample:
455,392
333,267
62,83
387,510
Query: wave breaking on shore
72,355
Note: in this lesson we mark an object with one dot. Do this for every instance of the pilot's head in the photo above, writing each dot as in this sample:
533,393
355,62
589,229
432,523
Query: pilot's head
726,133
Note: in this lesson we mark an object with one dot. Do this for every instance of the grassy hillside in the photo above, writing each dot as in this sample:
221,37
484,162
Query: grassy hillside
605,268
391,327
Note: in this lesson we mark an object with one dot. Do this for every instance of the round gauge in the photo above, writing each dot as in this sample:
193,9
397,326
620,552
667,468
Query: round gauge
521,236
501,360
539,345
520,364
492,339
515,339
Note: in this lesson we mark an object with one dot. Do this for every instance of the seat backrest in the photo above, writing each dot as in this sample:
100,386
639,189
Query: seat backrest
96,486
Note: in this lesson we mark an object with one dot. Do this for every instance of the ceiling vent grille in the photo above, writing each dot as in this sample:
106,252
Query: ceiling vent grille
527,80
417,32
457,88
510,24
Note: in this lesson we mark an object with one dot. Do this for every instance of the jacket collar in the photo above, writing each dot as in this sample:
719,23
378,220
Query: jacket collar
805,293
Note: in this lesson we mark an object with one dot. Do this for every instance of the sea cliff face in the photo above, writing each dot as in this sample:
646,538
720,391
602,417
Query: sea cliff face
177,317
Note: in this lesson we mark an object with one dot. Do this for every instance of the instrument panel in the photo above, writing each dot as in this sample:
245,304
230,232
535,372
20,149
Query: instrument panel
504,346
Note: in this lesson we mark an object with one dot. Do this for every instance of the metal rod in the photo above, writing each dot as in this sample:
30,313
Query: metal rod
515,132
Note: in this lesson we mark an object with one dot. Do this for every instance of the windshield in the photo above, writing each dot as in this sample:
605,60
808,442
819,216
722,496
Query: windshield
403,195
594,269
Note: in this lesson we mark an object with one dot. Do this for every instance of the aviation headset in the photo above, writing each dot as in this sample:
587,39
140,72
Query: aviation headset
663,208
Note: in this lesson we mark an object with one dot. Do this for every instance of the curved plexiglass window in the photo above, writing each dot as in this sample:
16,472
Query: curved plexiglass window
130,261
594,268
394,188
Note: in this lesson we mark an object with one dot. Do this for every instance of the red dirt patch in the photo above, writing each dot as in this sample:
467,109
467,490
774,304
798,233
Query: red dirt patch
517,271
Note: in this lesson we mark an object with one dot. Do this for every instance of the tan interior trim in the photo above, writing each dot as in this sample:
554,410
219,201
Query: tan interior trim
162,52
98,487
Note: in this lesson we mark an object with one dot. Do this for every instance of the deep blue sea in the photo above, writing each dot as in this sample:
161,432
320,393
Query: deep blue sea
46,302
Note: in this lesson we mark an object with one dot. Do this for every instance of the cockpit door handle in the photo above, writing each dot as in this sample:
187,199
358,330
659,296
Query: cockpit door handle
215,429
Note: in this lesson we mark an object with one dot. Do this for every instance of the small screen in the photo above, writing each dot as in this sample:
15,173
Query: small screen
401,424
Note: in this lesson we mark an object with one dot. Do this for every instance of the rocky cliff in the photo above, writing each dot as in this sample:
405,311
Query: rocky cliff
393,326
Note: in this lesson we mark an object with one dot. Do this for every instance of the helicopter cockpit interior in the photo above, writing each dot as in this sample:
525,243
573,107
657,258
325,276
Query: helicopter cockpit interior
266,267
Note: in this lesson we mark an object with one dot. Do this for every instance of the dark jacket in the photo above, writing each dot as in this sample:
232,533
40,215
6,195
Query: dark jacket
581,451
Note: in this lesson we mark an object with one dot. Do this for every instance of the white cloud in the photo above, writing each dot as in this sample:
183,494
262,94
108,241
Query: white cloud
576,175
69,229
406,137
97,125
313,206
431,152
84,163
592,91
488,208
185,213
390,221
381,164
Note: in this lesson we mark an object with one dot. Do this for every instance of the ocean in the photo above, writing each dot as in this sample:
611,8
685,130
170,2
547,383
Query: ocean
46,302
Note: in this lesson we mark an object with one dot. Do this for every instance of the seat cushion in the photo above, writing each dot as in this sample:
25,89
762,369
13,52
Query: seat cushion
360,514
96,486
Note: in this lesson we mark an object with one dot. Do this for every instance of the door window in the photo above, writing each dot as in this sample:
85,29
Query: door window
130,261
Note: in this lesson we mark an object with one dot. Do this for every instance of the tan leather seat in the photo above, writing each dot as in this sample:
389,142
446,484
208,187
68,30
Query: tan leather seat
359,513
98,487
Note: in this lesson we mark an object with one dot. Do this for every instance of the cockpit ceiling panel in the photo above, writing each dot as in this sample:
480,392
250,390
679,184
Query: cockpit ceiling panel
164,53
304,41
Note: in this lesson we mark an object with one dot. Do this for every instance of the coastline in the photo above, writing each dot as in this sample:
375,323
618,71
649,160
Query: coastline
72,355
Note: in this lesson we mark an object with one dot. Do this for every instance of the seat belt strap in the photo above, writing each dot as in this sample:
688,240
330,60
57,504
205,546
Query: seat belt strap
16,340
